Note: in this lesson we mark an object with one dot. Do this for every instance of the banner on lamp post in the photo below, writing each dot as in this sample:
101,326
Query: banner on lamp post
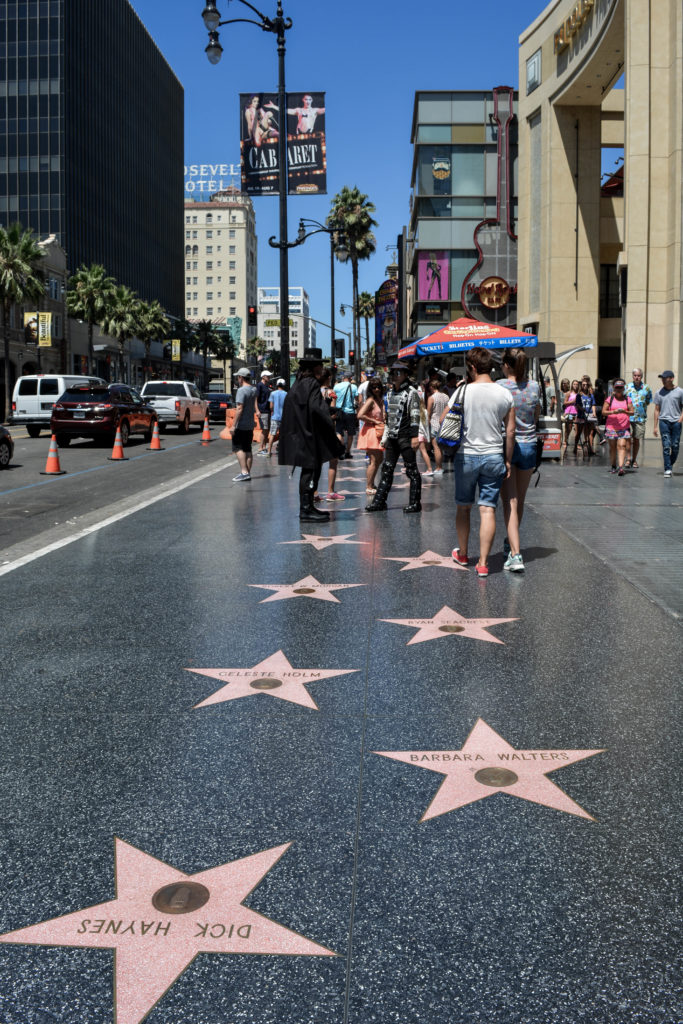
44,330
306,145
175,350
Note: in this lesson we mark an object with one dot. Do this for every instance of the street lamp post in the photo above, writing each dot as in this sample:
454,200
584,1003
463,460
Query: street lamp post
336,245
214,51
357,356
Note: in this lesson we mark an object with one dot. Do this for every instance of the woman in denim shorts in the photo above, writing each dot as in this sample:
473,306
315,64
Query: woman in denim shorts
527,398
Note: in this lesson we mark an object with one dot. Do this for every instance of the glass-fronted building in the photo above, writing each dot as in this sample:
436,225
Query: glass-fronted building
464,172
91,140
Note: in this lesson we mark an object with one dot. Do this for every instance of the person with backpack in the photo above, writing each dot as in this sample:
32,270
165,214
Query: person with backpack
347,403
617,411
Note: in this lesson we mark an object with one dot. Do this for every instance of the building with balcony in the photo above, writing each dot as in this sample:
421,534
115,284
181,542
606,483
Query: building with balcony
600,253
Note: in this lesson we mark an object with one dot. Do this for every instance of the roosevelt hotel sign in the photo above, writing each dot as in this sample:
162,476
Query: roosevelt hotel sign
204,179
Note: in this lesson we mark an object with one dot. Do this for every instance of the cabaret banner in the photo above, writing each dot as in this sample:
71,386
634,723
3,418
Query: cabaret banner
386,322
306,148
432,276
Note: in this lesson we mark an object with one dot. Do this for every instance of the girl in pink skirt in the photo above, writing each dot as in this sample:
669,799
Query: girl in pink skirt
371,416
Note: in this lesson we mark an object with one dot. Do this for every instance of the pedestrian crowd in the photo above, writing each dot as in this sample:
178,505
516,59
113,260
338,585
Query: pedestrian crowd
492,450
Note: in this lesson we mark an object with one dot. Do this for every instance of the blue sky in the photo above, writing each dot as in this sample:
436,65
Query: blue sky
369,56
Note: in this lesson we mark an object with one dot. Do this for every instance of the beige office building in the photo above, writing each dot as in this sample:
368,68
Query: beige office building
221,251
600,261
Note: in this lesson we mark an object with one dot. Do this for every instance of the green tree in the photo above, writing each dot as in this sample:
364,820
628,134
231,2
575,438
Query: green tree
224,349
352,213
366,311
88,295
122,319
206,341
21,280
255,348
153,325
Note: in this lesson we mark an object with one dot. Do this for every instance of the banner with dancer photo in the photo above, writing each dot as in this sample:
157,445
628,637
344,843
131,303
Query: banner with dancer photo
432,275
306,146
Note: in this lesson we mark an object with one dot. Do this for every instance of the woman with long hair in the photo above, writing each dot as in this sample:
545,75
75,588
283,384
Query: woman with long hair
585,397
574,416
526,395
437,403
330,397
371,416
568,421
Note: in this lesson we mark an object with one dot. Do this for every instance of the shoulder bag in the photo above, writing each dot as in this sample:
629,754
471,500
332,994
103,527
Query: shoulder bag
453,424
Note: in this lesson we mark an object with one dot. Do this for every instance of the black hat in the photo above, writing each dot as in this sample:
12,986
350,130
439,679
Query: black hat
311,357
400,366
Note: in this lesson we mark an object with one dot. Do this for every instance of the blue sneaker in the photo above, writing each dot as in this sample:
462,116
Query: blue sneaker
514,563
240,478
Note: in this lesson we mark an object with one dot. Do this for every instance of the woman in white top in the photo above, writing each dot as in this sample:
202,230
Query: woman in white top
437,403
526,395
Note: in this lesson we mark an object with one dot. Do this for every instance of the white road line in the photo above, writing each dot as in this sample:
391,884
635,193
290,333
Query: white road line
86,531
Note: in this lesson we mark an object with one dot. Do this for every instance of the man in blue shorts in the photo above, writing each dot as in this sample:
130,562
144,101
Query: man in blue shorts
485,454
243,430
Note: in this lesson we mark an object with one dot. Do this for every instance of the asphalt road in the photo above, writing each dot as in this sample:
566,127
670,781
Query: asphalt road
35,509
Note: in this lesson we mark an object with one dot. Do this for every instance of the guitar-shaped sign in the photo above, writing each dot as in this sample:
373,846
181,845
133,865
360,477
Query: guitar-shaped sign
489,292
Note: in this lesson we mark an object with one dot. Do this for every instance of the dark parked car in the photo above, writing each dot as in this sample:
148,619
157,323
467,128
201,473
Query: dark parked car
96,411
6,447
218,404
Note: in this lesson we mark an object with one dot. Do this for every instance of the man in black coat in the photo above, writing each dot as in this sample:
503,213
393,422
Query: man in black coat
307,434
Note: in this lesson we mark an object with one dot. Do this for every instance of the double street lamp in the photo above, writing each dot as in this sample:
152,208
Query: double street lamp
214,51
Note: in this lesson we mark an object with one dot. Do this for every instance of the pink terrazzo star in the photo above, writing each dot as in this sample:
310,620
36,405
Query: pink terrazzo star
307,587
321,543
274,677
427,559
486,765
162,918
448,622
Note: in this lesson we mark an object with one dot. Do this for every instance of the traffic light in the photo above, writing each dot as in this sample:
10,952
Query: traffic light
251,316
352,357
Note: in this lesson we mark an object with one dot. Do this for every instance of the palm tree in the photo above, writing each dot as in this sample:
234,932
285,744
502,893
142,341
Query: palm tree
352,213
206,340
224,349
366,311
21,280
153,324
122,319
89,293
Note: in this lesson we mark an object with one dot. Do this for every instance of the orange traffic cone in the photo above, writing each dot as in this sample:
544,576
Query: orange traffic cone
52,467
156,442
117,451
206,432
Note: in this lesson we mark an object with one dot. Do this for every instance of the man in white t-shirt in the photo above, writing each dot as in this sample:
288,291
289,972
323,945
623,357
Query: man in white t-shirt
485,453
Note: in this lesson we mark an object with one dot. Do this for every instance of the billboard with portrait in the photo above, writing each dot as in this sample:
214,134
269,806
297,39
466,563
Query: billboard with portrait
386,322
432,275
306,147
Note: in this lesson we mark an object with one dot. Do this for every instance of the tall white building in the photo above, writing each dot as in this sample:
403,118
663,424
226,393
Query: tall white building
221,260
301,327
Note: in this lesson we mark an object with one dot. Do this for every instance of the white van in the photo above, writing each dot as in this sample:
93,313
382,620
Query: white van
35,394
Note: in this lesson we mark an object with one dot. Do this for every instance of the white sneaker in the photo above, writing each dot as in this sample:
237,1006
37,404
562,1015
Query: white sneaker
668,472
437,472
428,473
